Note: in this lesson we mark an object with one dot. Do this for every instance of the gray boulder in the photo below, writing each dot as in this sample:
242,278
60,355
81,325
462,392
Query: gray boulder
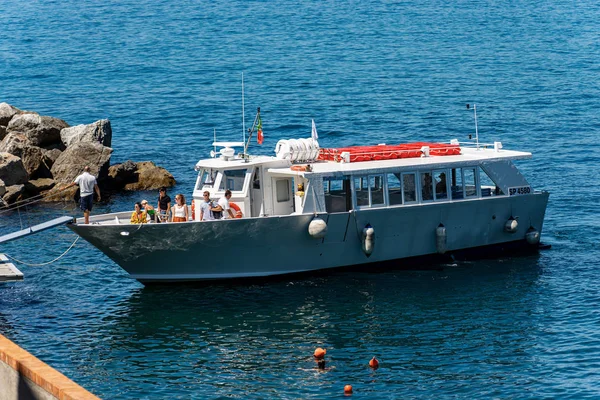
14,193
150,177
7,112
42,131
71,162
31,156
121,174
50,156
98,132
12,171
36,186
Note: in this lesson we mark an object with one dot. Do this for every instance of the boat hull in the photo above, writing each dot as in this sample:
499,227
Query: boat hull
276,245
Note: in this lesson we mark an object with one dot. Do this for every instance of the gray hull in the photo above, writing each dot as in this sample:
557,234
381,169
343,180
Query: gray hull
266,246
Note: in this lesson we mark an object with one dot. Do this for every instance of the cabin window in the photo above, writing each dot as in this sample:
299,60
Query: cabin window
376,189
361,191
469,182
282,187
409,188
336,195
207,178
394,189
233,179
441,190
488,186
457,184
426,186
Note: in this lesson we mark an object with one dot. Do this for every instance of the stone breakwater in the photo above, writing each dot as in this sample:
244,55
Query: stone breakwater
39,155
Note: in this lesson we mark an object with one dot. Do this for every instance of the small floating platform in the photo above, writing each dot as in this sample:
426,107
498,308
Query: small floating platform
8,271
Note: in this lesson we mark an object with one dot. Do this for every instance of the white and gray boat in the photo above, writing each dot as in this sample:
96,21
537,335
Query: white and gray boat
308,208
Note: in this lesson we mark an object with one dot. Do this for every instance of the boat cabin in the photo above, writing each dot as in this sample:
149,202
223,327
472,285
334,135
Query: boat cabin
271,186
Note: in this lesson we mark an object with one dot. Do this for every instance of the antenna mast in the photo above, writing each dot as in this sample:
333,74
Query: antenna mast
476,130
243,113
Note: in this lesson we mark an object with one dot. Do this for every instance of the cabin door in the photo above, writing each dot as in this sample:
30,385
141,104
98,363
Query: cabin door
283,199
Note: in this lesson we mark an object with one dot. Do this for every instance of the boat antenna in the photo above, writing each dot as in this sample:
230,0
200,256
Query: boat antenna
243,114
476,130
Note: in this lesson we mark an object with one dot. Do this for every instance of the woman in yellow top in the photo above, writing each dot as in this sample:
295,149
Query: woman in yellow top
138,216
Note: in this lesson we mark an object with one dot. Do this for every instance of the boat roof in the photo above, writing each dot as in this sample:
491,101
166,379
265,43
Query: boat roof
469,156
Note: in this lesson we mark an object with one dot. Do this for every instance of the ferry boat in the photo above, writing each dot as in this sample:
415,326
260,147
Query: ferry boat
309,208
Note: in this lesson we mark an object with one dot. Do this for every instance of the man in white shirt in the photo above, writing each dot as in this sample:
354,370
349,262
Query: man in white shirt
87,184
224,205
206,208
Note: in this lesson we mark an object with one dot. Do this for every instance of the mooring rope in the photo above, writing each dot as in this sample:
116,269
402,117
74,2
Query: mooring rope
46,263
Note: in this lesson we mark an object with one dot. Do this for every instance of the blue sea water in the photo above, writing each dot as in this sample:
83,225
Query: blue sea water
167,73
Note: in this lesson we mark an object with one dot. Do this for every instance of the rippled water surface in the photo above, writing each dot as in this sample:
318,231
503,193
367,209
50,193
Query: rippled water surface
166,74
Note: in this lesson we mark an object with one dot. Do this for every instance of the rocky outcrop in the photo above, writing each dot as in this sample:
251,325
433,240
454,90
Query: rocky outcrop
42,131
72,161
7,112
98,132
41,154
144,175
12,171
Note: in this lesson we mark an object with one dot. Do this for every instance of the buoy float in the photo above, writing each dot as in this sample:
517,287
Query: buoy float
511,225
532,236
348,389
440,239
237,211
317,228
320,353
374,363
368,240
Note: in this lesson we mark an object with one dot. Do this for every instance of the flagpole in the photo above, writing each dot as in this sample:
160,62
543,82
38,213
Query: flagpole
251,130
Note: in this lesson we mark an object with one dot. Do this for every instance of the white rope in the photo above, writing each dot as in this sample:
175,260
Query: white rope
46,263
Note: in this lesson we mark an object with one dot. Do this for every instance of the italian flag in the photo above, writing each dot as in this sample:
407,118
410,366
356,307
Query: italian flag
259,137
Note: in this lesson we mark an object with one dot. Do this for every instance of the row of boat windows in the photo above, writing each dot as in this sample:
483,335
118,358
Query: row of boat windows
406,188
231,179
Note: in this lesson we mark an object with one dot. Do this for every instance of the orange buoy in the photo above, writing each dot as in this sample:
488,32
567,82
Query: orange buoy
348,389
320,353
236,208
374,363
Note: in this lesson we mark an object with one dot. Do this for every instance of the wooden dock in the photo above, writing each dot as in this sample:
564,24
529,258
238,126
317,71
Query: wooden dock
8,271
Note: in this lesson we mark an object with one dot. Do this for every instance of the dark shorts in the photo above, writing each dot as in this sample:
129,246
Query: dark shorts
86,203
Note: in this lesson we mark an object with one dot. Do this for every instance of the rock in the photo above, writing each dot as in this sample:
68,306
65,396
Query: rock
2,188
99,132
7,112
121,174
12,171
14,193
37,186
72,161
50,156
59,193
32,156
150,177
2,131
42,131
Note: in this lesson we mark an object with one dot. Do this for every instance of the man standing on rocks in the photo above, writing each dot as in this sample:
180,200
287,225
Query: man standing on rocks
87,184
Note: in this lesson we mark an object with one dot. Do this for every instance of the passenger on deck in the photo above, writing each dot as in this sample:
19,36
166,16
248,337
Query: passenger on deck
164,205
150,213
207,208
138,216
223,205
180,210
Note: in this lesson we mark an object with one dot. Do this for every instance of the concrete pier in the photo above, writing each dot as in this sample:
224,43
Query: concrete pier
24,377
